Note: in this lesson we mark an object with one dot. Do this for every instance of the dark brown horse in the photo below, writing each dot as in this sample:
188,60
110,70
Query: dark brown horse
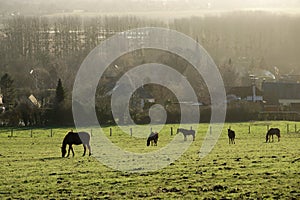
153,138
272,132
76,138
231,136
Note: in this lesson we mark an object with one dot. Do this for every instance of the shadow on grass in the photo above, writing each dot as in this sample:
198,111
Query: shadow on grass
50,158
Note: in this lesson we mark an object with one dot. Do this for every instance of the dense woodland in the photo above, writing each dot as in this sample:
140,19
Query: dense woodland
36,52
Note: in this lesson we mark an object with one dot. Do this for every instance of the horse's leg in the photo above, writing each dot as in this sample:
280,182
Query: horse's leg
184,137
272,138
90,150
84,149
69,151
193,137
72,150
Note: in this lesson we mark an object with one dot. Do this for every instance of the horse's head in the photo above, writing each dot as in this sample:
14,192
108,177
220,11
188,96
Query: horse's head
267,135
63,151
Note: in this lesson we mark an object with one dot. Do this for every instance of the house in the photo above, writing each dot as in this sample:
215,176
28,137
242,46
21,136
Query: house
246,93
34,101
145,97
282,101
282,93
2,108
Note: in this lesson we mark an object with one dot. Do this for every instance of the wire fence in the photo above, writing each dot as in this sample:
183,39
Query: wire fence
30,132
289,127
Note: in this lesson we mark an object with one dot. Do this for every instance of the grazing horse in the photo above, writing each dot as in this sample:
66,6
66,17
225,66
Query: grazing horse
272,132
76,138
231,136
153,138
186,132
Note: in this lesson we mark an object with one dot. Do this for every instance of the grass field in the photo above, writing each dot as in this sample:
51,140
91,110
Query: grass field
32,167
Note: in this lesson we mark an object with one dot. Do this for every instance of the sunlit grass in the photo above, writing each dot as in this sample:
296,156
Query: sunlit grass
31,167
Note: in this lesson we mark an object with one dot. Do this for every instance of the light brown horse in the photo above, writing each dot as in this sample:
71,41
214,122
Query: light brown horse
186,132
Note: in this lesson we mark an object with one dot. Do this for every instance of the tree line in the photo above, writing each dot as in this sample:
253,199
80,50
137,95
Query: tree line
36,52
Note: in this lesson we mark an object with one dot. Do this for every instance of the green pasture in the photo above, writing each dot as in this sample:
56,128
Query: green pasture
32,167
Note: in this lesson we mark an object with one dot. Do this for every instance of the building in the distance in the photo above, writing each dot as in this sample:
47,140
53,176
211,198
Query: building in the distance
282,93
245,93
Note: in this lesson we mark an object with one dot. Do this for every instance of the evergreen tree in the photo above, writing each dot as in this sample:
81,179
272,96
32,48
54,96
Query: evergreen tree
60,92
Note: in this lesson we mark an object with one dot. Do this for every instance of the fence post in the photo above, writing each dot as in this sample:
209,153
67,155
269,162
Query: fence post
210,129
268,126
249,129
295,128
51,132
151,130
171,131
91,132
131,132
30,132
110,131
287,128
11,132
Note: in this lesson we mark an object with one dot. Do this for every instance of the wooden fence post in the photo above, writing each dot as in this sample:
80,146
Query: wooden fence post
131,132
210,129
110,131
11,132
31,132
287,128
171,131
249,129
51,132
91,132
295,128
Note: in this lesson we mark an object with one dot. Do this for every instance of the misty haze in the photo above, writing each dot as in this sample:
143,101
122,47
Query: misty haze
238,129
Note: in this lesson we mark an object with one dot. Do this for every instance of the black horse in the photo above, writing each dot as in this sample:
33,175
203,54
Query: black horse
76,138
272,132
186,132
153,138
231,136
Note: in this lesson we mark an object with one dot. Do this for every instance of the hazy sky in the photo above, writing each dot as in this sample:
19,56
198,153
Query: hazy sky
123,6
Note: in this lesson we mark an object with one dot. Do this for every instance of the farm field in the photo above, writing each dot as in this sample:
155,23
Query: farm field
32,167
